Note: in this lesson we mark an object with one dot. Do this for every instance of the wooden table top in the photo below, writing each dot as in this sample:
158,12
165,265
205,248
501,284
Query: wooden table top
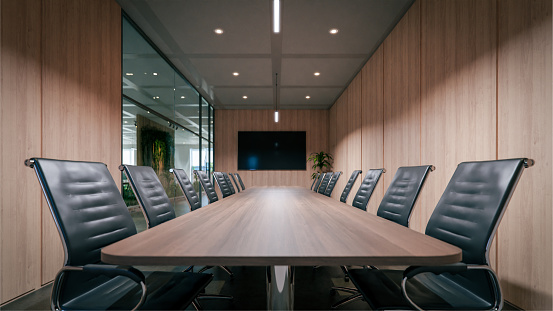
280,226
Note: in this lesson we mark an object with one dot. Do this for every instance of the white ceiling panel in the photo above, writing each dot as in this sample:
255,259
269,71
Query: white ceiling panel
320,98
219,71
257,97
333,71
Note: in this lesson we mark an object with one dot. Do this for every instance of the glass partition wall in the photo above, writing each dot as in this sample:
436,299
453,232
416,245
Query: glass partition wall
166,123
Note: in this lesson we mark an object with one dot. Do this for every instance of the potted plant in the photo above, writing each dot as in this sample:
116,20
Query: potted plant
321,161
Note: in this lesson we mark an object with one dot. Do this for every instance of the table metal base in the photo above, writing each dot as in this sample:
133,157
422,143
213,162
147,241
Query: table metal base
280,288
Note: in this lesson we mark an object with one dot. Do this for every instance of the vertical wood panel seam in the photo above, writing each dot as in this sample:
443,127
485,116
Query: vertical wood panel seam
42,34
420,95
497,115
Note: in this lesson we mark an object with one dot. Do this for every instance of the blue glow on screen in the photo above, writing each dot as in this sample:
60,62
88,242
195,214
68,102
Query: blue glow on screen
253,162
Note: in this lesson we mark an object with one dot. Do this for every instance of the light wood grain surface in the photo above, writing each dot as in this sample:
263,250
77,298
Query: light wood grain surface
280,226
524,128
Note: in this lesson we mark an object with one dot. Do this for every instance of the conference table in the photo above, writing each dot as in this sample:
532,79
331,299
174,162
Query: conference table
280,227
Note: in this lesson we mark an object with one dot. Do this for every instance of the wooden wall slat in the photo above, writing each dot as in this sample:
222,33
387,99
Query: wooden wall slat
81,95
20,139
372,112
458,81
229,122
354,132
524,130
402,99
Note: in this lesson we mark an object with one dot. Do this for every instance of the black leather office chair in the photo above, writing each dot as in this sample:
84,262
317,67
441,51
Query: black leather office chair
315,180
235,182
349,185
401,196
240,181
194,200
397,206
366,189
229,183
332,183
90,213
207,185
187,188
318,182
324,183
222,183
467,216
152,198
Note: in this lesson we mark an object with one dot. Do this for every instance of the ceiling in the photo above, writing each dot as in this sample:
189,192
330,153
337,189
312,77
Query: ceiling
274,69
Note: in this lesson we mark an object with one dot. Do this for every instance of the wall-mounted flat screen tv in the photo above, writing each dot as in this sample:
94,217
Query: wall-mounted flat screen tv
271,151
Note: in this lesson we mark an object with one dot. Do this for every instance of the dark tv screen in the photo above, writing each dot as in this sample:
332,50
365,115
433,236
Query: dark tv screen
271,151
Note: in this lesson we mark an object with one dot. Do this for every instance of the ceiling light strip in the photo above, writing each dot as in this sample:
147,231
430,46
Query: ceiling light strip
276,16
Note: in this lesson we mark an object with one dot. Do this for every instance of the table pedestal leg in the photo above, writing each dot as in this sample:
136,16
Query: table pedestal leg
280,288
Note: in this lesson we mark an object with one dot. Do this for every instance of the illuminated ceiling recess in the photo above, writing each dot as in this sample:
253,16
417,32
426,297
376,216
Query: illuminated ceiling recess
208,40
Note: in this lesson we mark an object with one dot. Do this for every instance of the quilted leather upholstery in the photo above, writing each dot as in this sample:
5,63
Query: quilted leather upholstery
324,183
332,183
234,180
187,189
231,187
222,183
207,185
347,188
366,189
401,196
315,180
240,181
319,178
150,194
87,206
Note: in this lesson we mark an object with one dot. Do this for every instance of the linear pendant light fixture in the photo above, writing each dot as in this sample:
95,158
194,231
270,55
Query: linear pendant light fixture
276,16
276,97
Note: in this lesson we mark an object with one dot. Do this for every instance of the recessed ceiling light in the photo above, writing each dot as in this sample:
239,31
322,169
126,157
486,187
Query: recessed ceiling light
333,31
155,73
317,73
235,74
182,97
129,74
126,121
308,97
276,16
218,31
245,97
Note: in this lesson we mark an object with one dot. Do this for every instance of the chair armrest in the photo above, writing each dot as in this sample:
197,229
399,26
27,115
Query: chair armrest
452,269
107,270
114,270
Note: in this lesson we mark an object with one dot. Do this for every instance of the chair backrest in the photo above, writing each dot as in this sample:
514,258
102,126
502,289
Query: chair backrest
229,183
472,205
222,183
234,180
207,185
315,180
332,183
468,214
240,180
349,185
149,193
86,205
324,183
401,196
318,182
366,189
187,188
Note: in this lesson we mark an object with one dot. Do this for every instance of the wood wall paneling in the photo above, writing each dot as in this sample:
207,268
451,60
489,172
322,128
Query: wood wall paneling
354,130
458,83
524,130
372,123
20,138
402,99
342,142
81,97
332,143
229,122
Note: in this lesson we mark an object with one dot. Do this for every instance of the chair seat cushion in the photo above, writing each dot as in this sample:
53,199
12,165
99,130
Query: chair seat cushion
166,291
382,290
